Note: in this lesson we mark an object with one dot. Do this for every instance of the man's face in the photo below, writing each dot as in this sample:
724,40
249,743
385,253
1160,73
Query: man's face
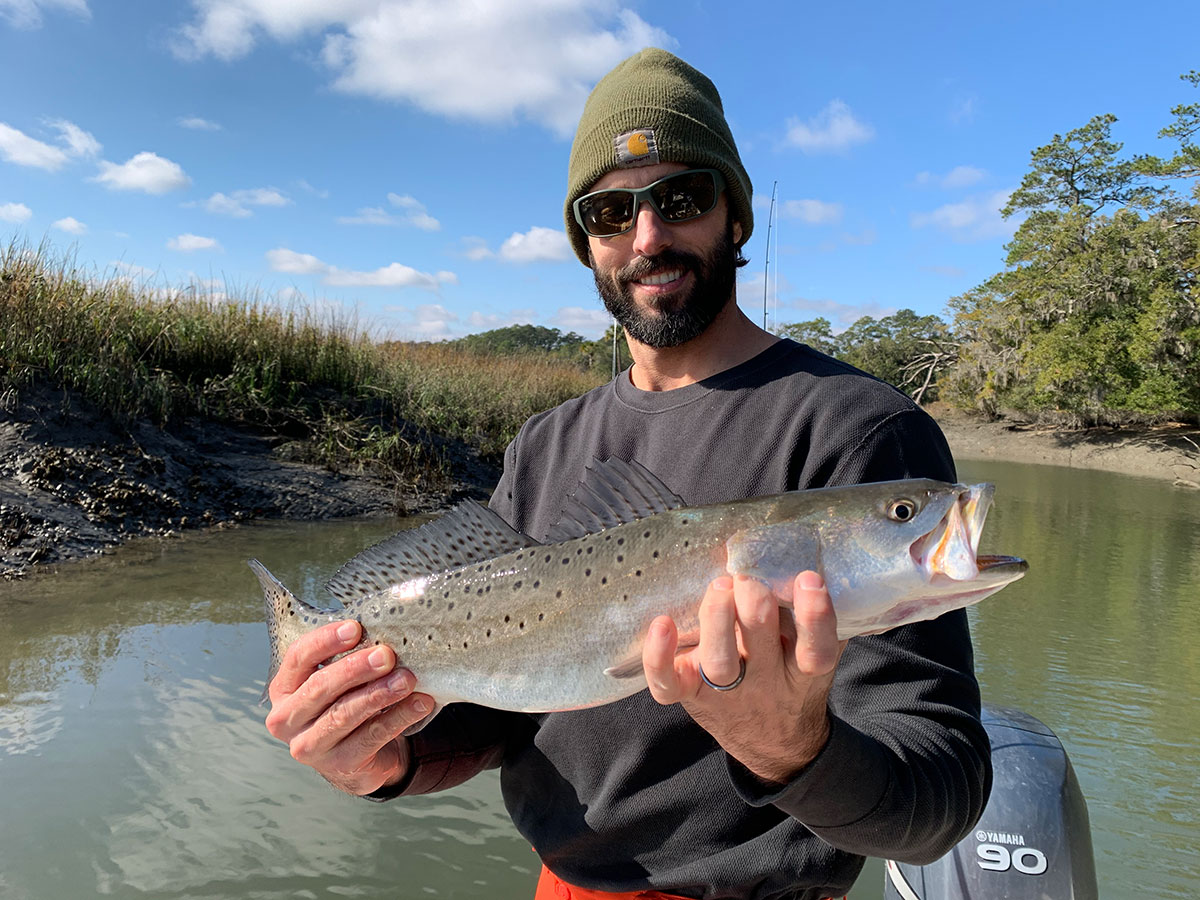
665,284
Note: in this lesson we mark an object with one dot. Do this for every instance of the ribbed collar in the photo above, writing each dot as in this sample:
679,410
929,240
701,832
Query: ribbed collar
663,401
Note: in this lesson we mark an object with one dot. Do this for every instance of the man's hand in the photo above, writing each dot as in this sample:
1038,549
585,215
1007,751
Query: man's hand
776,721
345,719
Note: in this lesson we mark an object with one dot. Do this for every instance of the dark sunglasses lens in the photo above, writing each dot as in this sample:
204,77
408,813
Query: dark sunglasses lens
607,213
685,196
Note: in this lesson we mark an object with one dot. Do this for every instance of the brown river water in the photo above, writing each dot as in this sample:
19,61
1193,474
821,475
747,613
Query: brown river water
134,764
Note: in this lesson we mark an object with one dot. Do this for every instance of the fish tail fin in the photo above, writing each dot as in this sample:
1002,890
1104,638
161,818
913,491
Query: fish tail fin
280,603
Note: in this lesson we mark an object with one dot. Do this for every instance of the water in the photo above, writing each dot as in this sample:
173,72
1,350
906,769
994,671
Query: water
133,761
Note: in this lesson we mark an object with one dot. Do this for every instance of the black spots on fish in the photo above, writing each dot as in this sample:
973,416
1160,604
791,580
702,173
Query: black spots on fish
429,637
291,612
687,543
587,573
445,595
468,615
541,616
479,593
604,580
637,574
507,619
517,586
450,605
488,633
646,535
464,645
590,549
558,595
467,589
391,610
404,642
547,557
566,560
620,542
521,625
620,557
655,554
625,597
579,551
519,555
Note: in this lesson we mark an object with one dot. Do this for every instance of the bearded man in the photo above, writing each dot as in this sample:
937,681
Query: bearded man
771,758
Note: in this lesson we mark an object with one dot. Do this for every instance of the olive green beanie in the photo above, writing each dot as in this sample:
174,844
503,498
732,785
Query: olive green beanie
654,108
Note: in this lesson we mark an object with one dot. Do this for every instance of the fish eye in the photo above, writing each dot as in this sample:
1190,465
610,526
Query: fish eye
902,510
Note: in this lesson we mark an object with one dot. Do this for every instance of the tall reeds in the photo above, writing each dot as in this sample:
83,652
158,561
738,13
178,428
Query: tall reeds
144,353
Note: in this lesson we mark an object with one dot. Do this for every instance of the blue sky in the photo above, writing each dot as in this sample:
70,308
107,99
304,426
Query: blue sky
403,161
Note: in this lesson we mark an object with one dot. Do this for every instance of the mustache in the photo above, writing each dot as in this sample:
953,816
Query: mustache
648,265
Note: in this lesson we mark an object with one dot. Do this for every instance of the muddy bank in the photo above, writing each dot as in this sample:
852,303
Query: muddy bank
1170,452
73,483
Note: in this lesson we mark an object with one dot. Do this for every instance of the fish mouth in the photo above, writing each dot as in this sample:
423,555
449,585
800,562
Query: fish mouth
950,550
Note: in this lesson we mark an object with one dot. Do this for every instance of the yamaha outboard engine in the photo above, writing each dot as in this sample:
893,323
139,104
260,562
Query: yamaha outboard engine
1033,840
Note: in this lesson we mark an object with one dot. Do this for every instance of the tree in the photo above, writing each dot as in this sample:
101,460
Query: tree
1096,319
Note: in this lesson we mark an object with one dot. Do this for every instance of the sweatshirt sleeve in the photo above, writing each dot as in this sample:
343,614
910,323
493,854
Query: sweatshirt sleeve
907,768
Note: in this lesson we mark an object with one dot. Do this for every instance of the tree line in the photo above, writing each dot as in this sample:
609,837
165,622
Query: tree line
1096,317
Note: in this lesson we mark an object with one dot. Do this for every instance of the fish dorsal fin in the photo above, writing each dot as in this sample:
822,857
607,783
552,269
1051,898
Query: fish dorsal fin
612,493
467,534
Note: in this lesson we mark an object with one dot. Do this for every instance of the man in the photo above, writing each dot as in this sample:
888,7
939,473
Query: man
769,760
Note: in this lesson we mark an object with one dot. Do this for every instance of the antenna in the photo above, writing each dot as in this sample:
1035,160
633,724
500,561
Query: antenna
767,264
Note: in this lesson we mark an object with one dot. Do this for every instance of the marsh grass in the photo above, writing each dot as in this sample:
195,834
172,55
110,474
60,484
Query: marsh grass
142,353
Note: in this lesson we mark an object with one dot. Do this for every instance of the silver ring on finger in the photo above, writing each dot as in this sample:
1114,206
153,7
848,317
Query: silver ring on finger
724,687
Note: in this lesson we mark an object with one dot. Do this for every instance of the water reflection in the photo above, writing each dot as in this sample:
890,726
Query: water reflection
133,761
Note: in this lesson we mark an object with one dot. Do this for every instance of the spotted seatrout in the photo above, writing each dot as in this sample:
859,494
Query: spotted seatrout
484,614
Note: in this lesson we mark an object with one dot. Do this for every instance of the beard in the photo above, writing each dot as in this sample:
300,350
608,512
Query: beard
679,318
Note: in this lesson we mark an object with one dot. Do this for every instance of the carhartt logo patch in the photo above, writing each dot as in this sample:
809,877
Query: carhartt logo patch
636,148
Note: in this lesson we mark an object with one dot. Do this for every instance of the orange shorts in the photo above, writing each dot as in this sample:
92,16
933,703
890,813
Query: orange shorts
549,887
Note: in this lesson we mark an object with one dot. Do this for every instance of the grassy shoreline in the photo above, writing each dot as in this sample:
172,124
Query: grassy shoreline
344,400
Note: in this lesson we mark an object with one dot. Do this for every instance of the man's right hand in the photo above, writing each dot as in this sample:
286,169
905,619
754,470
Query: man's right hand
345,719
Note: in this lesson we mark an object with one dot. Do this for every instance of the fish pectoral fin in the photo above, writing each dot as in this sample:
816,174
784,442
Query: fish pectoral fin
632,667
626,668
774,554
413,729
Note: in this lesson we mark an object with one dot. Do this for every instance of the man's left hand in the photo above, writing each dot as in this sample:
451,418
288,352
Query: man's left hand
776,720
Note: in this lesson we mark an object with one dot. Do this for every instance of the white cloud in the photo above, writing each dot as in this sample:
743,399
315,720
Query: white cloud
589,322
145,171
369,215
833,128
393,275
305,186
28,13
442,55
284,260
976,218
79,143
70,225
417,214
15,213
186,243
538,244
238,203
19,148
811,212
195,123
127,271
958,177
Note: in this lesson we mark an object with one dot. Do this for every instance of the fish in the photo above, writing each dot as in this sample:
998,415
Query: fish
484,614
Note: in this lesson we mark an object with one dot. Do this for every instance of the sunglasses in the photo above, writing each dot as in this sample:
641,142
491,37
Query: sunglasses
676,198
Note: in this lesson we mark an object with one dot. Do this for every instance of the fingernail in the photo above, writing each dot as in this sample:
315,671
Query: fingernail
398,682
810,581
347,631
378,658
420,706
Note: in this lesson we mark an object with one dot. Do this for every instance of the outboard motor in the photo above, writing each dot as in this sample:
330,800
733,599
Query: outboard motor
1033,840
